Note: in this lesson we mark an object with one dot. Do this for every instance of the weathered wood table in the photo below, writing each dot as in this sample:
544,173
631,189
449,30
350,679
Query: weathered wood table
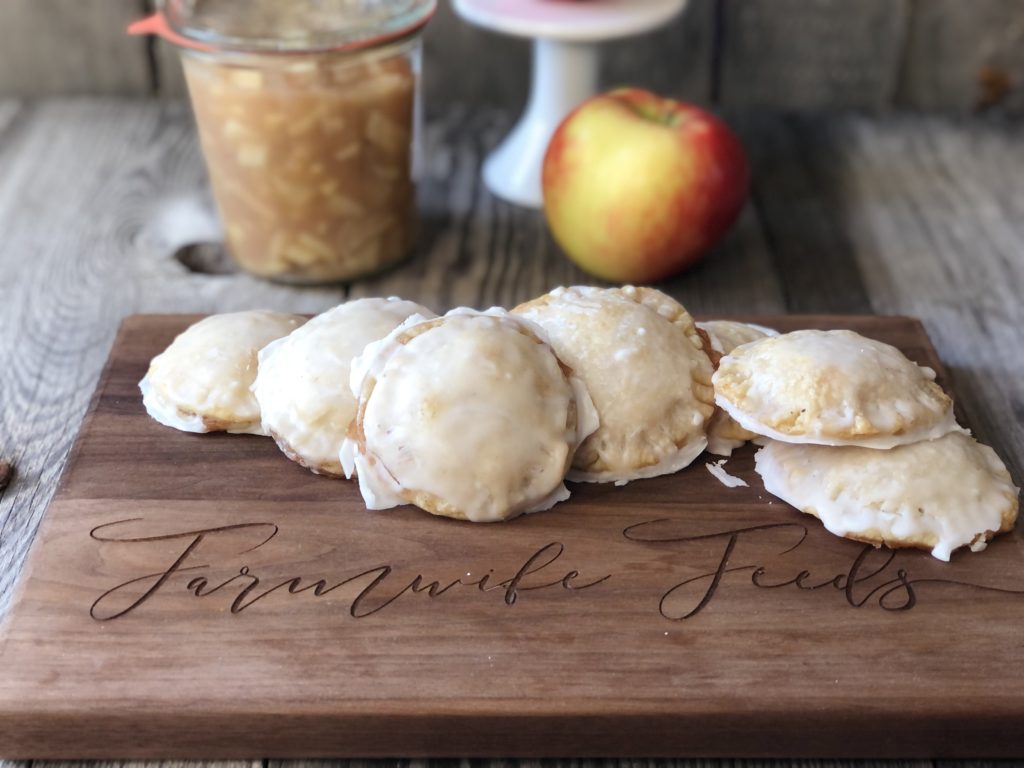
849,214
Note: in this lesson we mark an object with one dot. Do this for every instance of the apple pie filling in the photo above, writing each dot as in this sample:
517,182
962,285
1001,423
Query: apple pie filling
310,158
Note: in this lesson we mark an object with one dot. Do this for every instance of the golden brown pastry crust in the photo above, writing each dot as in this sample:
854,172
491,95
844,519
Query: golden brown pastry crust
831,388
201,382
303,381
325,469
644,362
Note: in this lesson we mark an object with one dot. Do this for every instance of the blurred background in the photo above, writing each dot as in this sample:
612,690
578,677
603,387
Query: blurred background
963,56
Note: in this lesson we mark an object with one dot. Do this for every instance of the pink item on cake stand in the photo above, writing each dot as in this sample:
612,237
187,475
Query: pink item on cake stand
566,35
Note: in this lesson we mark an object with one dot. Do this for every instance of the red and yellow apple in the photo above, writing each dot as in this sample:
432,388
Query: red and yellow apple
637,187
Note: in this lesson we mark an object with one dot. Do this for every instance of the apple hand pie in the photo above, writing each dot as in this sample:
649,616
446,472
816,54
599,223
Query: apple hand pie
832,388
643,362
303,388
201,382
470,416
937,495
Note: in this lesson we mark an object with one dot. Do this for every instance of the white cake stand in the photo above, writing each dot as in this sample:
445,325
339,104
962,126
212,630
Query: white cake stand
566,34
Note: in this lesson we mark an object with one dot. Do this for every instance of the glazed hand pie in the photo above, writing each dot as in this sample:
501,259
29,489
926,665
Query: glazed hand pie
832,388
937,495
303,388
470,416
643,362
201,382
724,434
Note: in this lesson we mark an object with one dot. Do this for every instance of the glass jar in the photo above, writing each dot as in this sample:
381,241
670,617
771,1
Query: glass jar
308,118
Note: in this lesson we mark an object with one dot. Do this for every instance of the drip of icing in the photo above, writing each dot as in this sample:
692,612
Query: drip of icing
717,469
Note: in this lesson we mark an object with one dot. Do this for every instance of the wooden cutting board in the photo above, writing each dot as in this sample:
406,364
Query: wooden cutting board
201,596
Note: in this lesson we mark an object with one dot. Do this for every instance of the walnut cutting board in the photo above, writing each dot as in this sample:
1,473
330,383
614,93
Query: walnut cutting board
201,596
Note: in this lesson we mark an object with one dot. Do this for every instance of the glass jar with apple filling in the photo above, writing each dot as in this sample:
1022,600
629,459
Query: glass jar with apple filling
308,120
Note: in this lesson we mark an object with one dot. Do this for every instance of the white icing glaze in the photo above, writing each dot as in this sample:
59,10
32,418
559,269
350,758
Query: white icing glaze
205,374
831,388
943,494
717,469
302,386
471,410
720,445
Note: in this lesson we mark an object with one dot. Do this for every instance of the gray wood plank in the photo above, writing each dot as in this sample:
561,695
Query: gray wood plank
674,61
737,276
462,63
933,54
632,763
964,56
94,198
169,76
797,196
800,55
628,763
9,111
56,47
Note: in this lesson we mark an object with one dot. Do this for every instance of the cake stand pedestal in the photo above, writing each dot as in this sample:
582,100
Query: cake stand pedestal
565,36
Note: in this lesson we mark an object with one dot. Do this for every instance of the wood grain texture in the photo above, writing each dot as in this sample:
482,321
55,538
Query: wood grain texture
918,54
464,64
168,77
800,55
964,57
898,192
242,604
638,763
50,47
798,194
142,764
